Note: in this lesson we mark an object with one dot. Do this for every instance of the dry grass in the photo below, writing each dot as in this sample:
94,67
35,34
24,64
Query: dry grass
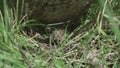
93,44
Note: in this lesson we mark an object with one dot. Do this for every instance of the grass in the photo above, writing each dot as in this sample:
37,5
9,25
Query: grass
96,47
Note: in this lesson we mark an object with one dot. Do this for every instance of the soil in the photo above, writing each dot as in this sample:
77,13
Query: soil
52,11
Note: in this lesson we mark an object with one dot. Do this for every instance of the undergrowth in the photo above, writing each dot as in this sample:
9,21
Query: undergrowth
94,47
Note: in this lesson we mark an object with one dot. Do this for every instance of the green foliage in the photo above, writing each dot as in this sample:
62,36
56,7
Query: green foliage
10,55
59,63
109,12
92,48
